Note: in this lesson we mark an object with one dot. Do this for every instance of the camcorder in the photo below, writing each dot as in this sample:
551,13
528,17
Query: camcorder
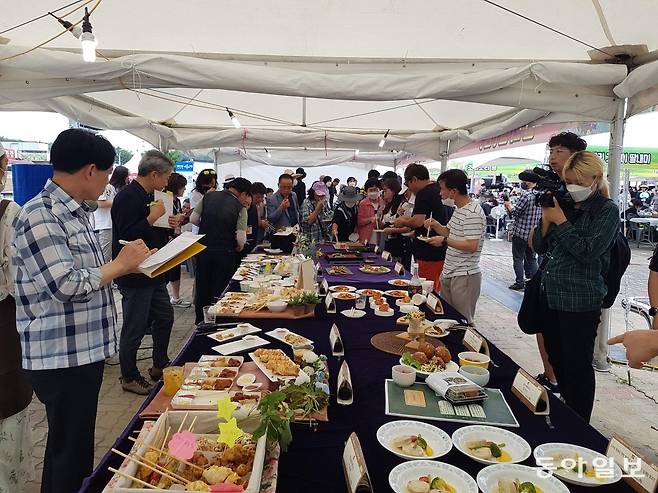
549,185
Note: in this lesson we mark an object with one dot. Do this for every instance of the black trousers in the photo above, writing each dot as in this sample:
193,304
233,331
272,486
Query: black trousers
524,259
71,399
214,269
569,341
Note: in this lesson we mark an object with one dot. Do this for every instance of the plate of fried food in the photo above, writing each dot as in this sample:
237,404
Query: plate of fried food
338,270
346,296
396,293
400,283
293,340
214,361
342,288
275,364
370,292
374,269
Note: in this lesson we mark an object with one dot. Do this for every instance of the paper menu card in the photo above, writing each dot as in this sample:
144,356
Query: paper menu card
168,199
337,347
354,466
637,472
531,393
173,253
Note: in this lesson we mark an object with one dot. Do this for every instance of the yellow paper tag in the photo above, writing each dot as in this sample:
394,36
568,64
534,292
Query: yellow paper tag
229,432
414,398
225,408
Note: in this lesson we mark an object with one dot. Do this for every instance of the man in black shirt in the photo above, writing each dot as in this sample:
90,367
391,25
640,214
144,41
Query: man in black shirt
427,203
343,223
222,218
299,187
145,300
256,225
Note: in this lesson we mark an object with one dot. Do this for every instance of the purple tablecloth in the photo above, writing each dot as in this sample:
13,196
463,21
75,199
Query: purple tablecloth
313,461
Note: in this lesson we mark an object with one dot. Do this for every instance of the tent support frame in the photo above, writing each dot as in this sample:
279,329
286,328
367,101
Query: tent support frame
615,150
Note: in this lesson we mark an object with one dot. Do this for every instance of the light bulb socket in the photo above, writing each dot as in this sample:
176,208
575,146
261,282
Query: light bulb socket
86,25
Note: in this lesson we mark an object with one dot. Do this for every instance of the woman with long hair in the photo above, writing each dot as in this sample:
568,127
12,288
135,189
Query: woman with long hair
204,183
120,177
576,243
396,242
176,186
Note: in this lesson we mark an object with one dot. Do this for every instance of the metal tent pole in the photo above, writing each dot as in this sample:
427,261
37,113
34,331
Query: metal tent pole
444,152
615,150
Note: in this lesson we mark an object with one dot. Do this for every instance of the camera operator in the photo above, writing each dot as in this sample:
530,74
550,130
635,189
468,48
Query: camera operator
561,147
577,244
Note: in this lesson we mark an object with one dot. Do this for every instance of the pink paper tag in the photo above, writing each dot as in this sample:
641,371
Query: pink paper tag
183,445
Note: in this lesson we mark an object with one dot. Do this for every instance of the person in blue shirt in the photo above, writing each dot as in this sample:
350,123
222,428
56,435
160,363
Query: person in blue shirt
282,207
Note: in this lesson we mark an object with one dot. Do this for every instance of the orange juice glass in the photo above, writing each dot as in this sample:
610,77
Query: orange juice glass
173,379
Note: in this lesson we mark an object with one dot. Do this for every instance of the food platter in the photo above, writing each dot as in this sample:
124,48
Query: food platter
374,269
399,283
585,474
346,296
240,330
490,478
293,340
438,441
450,366
275,364
342,288
477,442
338,270
402,474
212,360
396,293
370,292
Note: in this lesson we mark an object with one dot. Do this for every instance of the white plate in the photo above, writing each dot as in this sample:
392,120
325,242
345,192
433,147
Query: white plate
431,331
268,373
391,292
384,270
353,314
281,333
516,446
451,366
347,296
401,474
389,313
235,333
549,450
335,289
247,342
208,359
272,251
489,476
401,286
369,291
437,439
198,399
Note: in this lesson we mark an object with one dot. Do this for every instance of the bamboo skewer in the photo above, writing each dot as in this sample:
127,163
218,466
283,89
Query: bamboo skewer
161,473
165,453
192,424
183,422
163,468
128,476
164,442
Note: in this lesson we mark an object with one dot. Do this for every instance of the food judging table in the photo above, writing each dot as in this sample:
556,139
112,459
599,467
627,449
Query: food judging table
313,461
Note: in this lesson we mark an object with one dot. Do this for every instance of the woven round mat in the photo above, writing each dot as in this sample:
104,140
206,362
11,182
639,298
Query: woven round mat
389,342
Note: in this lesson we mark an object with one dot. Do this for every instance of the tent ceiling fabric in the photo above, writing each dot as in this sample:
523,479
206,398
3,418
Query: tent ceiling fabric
430,71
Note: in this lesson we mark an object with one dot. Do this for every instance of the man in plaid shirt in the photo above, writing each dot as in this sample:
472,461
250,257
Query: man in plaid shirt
65,314
526,215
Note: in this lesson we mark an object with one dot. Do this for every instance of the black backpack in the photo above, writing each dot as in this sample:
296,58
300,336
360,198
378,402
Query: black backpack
620,258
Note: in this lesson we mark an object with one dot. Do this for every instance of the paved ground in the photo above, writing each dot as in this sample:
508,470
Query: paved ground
631,411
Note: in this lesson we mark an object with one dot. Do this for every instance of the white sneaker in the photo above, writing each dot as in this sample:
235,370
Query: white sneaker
180,302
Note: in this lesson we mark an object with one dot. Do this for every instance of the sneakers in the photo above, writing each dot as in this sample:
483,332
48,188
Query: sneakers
601,366
138,386
517,286
155,373
180,302
543,379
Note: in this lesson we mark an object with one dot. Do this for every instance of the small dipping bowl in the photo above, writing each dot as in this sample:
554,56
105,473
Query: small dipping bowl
474,359
475,374
246,380
403,376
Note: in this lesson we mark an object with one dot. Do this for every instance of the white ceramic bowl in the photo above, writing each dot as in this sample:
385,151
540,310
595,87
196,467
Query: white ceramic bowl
437,439
408,307
276,306
475,374
516,446
403,375
488,478
401,474
544,456
246,379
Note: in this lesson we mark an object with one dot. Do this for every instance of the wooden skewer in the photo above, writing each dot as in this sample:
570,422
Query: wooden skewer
192,424
128,476
164,442
163,468
165,474
165,453
183,422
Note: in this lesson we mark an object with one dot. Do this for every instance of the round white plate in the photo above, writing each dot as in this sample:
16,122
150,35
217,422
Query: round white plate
368,292
355,314
382,270
272,251
246,379
516,446
391,292
436,438
389,313
400,302
336,290
451,366
545,452
489,476
401,474
345,296
405,282
431,331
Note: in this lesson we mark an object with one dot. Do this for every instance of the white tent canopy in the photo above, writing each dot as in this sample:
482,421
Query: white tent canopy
329,75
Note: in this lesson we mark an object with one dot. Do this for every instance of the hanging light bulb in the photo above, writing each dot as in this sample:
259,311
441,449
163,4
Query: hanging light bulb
269,154
383,141
234,119
356,153
88,40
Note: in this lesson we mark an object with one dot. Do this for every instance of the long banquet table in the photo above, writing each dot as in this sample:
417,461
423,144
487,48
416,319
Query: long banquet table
313,460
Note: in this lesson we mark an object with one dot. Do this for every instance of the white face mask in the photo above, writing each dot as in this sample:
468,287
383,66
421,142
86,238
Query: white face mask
579,193
448,202
373,195
351,183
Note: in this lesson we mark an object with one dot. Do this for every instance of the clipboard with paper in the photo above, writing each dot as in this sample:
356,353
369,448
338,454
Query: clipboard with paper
172,254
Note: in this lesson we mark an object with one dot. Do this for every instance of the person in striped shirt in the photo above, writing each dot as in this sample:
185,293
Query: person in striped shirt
463,235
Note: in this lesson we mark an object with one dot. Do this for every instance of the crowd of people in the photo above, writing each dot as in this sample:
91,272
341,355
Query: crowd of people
63,253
